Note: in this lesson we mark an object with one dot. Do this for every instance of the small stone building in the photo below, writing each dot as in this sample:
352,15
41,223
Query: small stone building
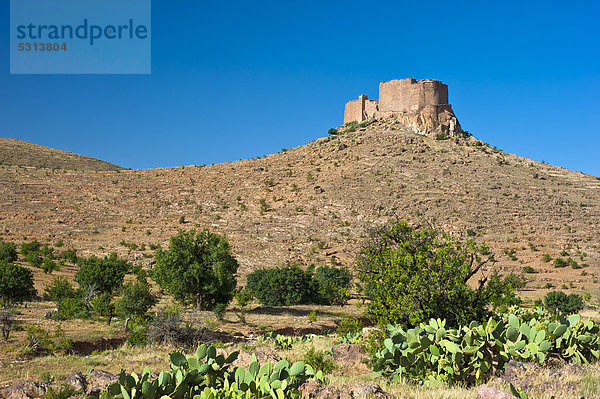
419,104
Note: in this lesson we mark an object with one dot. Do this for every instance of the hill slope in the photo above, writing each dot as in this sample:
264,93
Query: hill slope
315,203
23,153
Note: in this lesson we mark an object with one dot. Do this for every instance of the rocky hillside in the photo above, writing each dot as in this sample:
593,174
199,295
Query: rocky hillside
22,153
315,204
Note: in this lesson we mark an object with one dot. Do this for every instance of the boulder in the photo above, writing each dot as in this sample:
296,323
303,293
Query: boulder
24,390
348,354
98,380
76,381
492,393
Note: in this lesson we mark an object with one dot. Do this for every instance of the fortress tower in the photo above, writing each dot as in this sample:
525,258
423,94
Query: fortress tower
419,104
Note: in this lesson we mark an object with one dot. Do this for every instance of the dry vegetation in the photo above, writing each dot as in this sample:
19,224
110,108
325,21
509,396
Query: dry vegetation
312,204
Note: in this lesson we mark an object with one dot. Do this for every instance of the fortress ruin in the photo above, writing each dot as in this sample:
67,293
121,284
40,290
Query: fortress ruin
419,104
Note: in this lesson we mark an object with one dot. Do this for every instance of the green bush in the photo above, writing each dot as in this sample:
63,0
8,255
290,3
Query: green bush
103,305
219,311
34,259
29,247
318,360
136,300
560,262
16,284
72,308
546,258
333,285
559,302
529,270
197,267
283,286
411,274
138,331
104,274
8,251
70,255
58,290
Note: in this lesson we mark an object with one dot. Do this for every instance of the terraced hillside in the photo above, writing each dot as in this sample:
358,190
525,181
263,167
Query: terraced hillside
315,204
22,153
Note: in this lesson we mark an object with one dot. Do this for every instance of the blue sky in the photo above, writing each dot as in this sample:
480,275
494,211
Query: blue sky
238,79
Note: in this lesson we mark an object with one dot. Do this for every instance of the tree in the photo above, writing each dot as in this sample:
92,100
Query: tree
8,251
559,302
282,286
16,284
197,267
333,285
60,289
411,274
106,275
136,300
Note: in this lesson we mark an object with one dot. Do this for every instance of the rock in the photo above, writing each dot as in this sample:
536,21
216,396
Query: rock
370,391
76,381
348,354
24,390
263,355
492,393
313,389
98,380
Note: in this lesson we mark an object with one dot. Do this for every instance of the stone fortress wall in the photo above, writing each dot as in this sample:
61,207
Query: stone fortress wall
419,104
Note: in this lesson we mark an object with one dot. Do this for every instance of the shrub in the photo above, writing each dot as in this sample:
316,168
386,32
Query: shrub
6,322
546,258
197,267
560,262
59,289
34,259
70,255
283,286
167,329
29,247
412,274
219,311
106,274
318,360
49,265
559,302
332,131
102,304
333,285
16,284
72,308
8,251
529,270
39,342
136,300
349,325
138,331
243,297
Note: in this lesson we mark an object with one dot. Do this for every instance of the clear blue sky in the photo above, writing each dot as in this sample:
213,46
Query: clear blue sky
240,79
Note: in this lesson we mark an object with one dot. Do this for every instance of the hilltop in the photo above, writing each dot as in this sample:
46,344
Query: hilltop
315,203
23,153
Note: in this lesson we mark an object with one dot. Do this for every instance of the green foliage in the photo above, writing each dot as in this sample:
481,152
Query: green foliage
8,251
49,265
103,305
58,290
136,300
529,270
138,331
106,274
70,255
16,284
349,330
39,342
412,274
61,392
34,259
471,354
72,308
283,286
243,297
559,302
29,247
319,360
333,131
560,262
333,285
208,376
546,258
197,267
219,310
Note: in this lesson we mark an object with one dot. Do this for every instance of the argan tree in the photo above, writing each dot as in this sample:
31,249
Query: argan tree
197,268
412,273
16,284
103,274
